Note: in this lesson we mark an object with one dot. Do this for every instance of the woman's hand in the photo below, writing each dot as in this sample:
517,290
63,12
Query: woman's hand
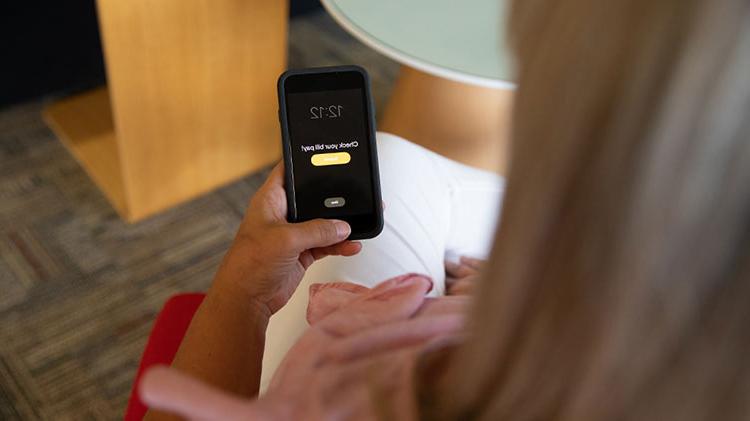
269,255
460,277
259,273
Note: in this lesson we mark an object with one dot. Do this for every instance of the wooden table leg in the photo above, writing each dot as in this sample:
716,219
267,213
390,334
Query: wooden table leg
466,123
190,103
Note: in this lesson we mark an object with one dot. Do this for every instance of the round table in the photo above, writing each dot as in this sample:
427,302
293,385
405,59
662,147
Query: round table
454,92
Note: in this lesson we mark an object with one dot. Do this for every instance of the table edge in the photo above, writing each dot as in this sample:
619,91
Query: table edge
403,58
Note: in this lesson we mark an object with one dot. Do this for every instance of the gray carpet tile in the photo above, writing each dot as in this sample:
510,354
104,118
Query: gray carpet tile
79,288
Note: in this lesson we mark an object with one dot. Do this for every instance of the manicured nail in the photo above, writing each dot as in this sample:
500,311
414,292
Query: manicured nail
451,266
342,229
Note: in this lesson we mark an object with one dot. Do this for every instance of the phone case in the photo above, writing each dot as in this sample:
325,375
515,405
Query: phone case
287,148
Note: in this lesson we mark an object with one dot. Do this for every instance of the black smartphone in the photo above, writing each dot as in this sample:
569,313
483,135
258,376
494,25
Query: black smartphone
330,157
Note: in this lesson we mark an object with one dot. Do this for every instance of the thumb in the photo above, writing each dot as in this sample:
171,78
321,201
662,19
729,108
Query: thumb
318,233
168,390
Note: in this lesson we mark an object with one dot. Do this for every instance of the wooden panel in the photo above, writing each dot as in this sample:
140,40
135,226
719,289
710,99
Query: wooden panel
193,92
466,123
84,123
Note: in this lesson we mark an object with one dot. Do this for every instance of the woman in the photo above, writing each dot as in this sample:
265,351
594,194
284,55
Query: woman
619,287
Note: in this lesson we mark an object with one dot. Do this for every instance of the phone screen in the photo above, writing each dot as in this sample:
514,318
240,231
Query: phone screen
329,134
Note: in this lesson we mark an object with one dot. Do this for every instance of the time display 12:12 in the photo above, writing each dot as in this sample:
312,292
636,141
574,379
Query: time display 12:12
331,111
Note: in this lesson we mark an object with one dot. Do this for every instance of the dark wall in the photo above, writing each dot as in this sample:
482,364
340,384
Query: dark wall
48,46
53,47
299,7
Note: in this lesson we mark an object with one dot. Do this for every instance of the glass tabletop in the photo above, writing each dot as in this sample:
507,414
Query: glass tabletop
458,40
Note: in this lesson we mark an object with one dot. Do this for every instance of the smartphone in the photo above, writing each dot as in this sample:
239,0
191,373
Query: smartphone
330,156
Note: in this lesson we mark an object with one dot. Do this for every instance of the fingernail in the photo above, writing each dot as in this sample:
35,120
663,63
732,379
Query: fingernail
417,277
342,229
400,284
452,266
408,278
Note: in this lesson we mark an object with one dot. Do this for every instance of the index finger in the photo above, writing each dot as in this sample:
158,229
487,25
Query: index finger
473,263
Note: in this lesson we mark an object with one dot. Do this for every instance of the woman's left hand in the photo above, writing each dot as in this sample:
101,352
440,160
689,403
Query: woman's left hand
269,255
461,277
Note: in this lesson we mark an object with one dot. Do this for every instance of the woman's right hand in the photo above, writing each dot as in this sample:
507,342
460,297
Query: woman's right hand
269,255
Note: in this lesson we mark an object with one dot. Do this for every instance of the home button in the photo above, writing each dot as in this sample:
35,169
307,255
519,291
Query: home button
334,202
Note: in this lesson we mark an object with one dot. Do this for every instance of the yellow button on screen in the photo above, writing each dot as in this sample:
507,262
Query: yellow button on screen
335,158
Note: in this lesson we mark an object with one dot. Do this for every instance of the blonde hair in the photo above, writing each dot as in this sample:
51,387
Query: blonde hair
619,284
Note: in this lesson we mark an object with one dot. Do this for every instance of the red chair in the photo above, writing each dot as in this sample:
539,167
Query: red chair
163,342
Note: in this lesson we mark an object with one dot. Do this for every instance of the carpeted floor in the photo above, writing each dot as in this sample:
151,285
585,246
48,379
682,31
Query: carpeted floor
79,288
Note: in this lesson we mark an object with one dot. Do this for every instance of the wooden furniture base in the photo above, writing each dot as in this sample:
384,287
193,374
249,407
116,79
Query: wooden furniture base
84,124
466,123
190,103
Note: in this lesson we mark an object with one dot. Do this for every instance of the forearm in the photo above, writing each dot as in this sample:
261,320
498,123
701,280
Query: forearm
224,344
